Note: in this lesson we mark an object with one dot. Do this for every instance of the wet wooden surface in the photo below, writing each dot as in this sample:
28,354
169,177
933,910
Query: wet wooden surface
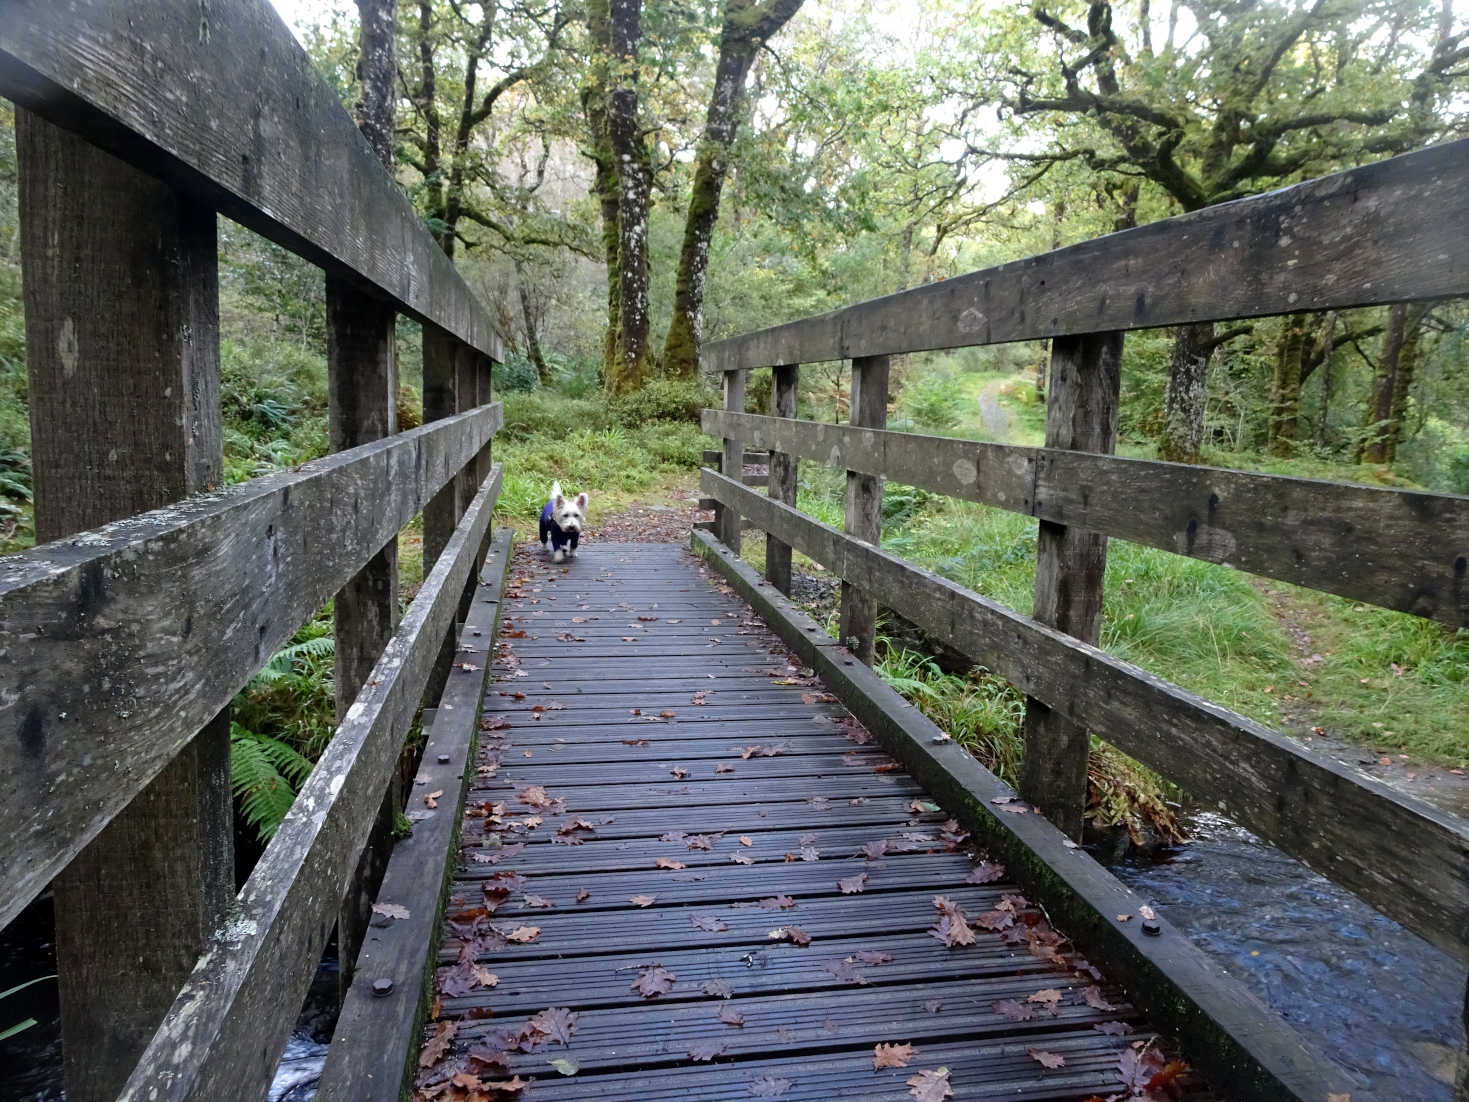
639,714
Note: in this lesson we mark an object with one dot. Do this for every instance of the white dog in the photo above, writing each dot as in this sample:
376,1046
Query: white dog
562,521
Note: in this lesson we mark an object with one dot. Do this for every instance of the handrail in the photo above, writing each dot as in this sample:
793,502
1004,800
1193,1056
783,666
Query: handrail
222,102
1387,232
87,643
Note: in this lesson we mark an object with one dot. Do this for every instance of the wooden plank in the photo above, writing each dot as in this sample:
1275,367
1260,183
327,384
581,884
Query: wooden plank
727,523
362,404
1345,825
84,633
725,789
224,1035
227,108
783,470
441,514
1401,549
122,323
1387,232
1229,1035
869,410
1071,565
376,1037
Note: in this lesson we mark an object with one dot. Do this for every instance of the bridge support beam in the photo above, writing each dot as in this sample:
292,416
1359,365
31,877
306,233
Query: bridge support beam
732,463
1081,414
362,392
441,514
122,347
784,379
869,409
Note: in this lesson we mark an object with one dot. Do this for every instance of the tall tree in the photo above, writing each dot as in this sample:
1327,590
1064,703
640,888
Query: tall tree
633,165
1252,96
747,25
1392,379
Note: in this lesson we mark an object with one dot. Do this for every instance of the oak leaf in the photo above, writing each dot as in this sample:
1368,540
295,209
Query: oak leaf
642,900
730,1016
653,981
770,1086
931,1086
892,1056
853,884
524,934
438,1044
1047,1059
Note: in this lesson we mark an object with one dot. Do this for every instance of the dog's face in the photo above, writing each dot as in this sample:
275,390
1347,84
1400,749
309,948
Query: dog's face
569,513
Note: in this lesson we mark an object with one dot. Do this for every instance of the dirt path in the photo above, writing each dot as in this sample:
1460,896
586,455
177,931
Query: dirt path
665,518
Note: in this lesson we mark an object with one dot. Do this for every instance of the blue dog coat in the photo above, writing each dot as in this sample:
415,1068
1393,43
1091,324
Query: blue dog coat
559,539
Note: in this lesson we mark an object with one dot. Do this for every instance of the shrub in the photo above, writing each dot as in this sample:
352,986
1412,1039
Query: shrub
516,374
664,400
934,401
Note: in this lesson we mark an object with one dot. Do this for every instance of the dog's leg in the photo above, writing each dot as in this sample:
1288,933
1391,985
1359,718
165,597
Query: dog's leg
558,556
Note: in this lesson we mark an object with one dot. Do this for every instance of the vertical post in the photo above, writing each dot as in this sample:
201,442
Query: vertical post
466,483
783,380
869,409
732,461
122,347
1081,414
483,462
362,394
439,518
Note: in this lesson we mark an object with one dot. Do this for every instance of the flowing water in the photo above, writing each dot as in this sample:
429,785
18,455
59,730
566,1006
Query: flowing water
1382,1003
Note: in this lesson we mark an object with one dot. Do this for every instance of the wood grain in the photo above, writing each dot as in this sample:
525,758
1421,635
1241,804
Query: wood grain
781,485
863,503
224,1035
1387,232
1347,826
732,458
1401,549
223,103
139,632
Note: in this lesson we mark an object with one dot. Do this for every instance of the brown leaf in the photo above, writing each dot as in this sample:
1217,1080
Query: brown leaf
535,795
892,1056
875,850
582,895
995,920
707,1050
742,858
794,934
986,872
537,902
746,840
769,1086
438,1044
1113,1029
776,903
432,799
718,988
730,1016
1050,998
873,956
483,976
1047,1059
1015,1011
845,971
524,934
558,1023
679,772
653,981
931,1086
390,910
1095,999
669,863
724,767
507,1086
642,900
666,714
853,884
712,923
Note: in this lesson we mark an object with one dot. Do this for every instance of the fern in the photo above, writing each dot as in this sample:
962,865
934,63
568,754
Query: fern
283,663
265,775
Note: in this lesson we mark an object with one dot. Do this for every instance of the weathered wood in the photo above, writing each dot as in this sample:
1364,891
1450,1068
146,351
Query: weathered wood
466,397
1229,1034
362,403
1401,549
86,637
224,1035
276,151
727,523
376,1038
122,326
869,410
782,485
1386,232
1081,414
441,514
1345,825
484,391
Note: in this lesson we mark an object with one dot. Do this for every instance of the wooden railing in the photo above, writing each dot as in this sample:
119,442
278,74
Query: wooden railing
159,594
1389,232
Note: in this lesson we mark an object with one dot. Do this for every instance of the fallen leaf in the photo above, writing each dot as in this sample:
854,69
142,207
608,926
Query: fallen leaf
669,863
892,1056
666,714
582,895
507,1086
986,872
558,1023
565,1065
769,1086
931,1086
724,767
1015,1011
718,988
390,910
746,840
712,923
776,903
707,1050
1147,912
794,934
432,799
438,1044
1113,1029
653,981
1049,998
483,976
845,971
852,884
1047,1059
524,934
642,900
873,956
1095,999
875,850
742,858
679,772
730,1016
537,902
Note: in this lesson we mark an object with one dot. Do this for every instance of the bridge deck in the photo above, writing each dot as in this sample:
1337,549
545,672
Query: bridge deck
640,714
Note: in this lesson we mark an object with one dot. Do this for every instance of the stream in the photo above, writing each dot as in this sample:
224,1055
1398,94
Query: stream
1382,1003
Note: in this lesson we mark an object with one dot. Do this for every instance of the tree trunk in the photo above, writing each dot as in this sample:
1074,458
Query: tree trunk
1283,428
634,187
1328,349
528,318
377,69
1374,445
594,106
1403,378
1183,400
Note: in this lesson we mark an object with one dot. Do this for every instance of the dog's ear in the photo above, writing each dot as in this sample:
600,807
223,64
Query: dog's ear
558,501
581,501
556,490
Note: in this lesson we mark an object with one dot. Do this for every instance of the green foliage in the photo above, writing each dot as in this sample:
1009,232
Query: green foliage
517,373
265,775
664,400
933,401
26,1023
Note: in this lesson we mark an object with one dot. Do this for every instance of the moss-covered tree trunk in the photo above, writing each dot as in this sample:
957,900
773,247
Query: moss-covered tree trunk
604,183
746,25
1184,396
1283,428
634,168
1403,379
531,321
1382,422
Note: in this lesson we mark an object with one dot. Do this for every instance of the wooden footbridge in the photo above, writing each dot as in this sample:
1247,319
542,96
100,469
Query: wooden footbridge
670,839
